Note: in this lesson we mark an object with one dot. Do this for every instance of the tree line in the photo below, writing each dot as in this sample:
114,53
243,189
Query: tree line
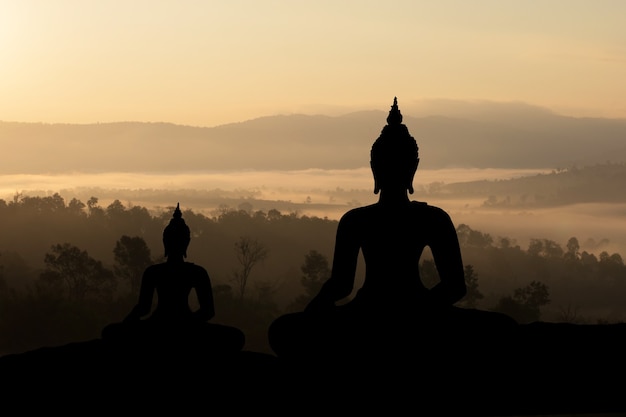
69,268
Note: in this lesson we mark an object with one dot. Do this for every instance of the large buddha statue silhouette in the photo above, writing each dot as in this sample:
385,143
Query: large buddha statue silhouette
172,323
393,308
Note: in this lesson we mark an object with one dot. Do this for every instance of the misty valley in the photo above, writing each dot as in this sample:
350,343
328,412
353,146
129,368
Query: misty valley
536,295
564,277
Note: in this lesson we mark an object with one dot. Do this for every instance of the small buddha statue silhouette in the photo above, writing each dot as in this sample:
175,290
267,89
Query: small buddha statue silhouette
173,323
393,308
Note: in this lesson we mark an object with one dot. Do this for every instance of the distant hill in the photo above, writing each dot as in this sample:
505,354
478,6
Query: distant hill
498,136
600,183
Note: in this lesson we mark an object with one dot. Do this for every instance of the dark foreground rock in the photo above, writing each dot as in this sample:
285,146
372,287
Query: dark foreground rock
543,369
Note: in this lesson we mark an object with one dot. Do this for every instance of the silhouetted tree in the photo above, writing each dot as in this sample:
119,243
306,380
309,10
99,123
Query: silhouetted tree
116,208
273,215
76,272
570,314
473,294
76,207
552,249
93,207
611,266
573,249
315,270
473,238
506,242
588,259
526,302
535,247
545,248
249,252
535,294
615,258
132,257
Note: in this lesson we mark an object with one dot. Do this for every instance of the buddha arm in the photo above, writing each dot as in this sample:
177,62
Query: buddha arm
144,304
341,281
446,252
204,292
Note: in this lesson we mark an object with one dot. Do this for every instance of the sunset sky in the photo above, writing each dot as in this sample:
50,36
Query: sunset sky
205,63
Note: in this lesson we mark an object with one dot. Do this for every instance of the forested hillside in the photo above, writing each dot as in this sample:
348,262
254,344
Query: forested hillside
598,183
70,267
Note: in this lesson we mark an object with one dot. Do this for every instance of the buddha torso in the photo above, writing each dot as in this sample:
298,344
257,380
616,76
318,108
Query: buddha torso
392,241
173,282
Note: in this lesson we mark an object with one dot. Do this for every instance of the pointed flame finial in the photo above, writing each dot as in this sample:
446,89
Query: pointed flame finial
177,213
395,117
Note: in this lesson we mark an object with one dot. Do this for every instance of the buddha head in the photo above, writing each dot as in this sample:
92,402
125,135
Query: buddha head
394,156
176,235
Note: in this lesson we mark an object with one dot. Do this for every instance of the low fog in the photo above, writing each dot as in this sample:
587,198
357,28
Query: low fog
330,193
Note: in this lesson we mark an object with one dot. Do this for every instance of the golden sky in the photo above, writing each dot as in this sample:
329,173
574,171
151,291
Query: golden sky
206,63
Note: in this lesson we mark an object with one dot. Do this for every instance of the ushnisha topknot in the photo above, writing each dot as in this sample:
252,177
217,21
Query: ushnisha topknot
176,233
395,143
394,117
395,151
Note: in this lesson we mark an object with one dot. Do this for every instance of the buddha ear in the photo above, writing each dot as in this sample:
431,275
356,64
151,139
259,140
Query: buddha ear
376,186
410,184
411,177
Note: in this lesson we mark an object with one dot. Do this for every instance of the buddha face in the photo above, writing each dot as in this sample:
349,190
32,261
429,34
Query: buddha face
176,244
394,163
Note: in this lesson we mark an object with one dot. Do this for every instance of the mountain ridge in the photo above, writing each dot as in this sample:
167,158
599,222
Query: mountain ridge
534,139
